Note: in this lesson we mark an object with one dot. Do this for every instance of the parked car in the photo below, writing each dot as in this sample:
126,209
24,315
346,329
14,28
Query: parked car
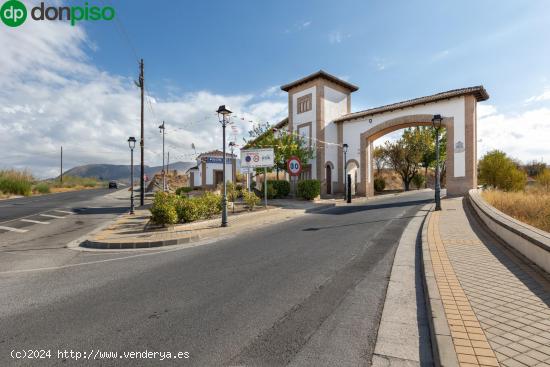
113,185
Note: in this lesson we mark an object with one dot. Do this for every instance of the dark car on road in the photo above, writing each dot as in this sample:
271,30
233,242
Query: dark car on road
113,185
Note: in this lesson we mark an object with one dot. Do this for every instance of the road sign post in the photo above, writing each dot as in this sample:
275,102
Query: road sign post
294,168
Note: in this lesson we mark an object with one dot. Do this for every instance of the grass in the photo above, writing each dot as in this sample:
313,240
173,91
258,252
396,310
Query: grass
531,206
14,182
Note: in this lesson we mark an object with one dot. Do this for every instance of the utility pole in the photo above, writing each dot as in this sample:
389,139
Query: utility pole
61,176
142,139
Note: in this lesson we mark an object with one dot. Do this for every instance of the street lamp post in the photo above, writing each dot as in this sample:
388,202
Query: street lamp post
436,123
223,117
163,172
132,145
345,149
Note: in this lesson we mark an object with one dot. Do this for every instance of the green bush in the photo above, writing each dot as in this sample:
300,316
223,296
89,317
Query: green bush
418,180
164,210
250,199
15,182
42,188
501,172
379,184
281,187
232,192
189,210
309,189
183,190
212,204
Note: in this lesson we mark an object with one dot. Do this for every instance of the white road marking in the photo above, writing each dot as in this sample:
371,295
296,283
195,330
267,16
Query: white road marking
16,230
34,221
51,216
157,251
63,211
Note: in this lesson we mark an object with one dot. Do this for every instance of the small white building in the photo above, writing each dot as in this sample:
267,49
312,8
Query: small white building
208,172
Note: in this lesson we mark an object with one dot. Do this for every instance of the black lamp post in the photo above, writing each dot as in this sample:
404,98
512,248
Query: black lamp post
436,123
132,145
223,117
162,129
345,149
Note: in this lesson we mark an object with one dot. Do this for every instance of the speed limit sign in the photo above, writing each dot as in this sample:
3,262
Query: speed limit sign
294,166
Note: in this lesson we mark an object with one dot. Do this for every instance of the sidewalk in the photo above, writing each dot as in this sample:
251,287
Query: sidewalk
133,231
497,307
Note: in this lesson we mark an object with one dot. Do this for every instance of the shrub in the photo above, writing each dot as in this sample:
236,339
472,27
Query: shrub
418,180
183,190
379,184
42,188
232,193
164,210
309,189
188,210
543,179
251,199
16,182
501,172
211,204
281,187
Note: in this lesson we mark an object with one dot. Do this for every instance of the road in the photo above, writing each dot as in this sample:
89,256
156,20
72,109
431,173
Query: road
305,292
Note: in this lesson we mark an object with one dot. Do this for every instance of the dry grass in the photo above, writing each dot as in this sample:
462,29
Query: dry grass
531,207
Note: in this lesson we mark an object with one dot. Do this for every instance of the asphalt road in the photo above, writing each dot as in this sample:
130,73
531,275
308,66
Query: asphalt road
306,292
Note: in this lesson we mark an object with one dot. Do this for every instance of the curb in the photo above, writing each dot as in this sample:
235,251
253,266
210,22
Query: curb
138,245
443,349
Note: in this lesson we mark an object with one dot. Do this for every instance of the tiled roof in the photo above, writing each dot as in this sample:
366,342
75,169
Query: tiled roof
320,74
478,92
215,153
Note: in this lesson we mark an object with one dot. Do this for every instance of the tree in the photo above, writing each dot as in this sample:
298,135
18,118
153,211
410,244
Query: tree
284,143
534,168
379,158
501,172
405,155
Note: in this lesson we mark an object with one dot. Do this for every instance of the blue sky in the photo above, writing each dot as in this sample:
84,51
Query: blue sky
392,50
72,86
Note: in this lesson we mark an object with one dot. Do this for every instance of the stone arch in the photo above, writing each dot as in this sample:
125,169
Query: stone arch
367,138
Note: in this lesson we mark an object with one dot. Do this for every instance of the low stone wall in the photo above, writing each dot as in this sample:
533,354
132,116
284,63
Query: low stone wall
531,242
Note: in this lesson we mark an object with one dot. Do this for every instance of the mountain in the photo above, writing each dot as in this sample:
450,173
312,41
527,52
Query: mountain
122,172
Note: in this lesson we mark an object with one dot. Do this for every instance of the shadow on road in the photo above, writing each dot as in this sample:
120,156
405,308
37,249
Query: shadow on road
91,211
339,210
311,229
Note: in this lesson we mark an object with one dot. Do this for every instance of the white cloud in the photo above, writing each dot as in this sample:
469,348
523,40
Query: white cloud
53,95
441,55
337,37
521,135
544,96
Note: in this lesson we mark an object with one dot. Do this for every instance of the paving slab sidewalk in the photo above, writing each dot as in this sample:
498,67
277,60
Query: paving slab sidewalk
497,307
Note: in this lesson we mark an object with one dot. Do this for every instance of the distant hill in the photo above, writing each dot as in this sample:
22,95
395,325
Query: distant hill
122,172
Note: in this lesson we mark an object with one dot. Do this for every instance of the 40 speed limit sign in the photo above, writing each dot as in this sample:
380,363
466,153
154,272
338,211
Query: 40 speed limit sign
294,166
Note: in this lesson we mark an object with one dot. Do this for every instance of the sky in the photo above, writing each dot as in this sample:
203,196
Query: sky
73,86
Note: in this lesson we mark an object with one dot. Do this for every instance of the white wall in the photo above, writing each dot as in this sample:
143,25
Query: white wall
450,108
336,105
210,168
309,116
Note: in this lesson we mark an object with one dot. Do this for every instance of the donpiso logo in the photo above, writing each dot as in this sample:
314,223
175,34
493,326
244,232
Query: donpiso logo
14,13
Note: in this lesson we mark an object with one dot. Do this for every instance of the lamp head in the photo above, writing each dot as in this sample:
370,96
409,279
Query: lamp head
437,121
132,142
345,148
223,111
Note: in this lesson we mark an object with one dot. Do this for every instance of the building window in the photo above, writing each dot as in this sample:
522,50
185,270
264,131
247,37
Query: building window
304,103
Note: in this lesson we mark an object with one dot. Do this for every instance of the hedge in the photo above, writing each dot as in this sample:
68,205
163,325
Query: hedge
309,189
379,184
281,187
171,209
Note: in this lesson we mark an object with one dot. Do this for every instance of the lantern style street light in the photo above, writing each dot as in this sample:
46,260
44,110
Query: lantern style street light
162,129
345,148
132,145
223,116
436,123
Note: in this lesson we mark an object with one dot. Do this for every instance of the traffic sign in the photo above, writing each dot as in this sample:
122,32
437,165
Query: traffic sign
294,166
